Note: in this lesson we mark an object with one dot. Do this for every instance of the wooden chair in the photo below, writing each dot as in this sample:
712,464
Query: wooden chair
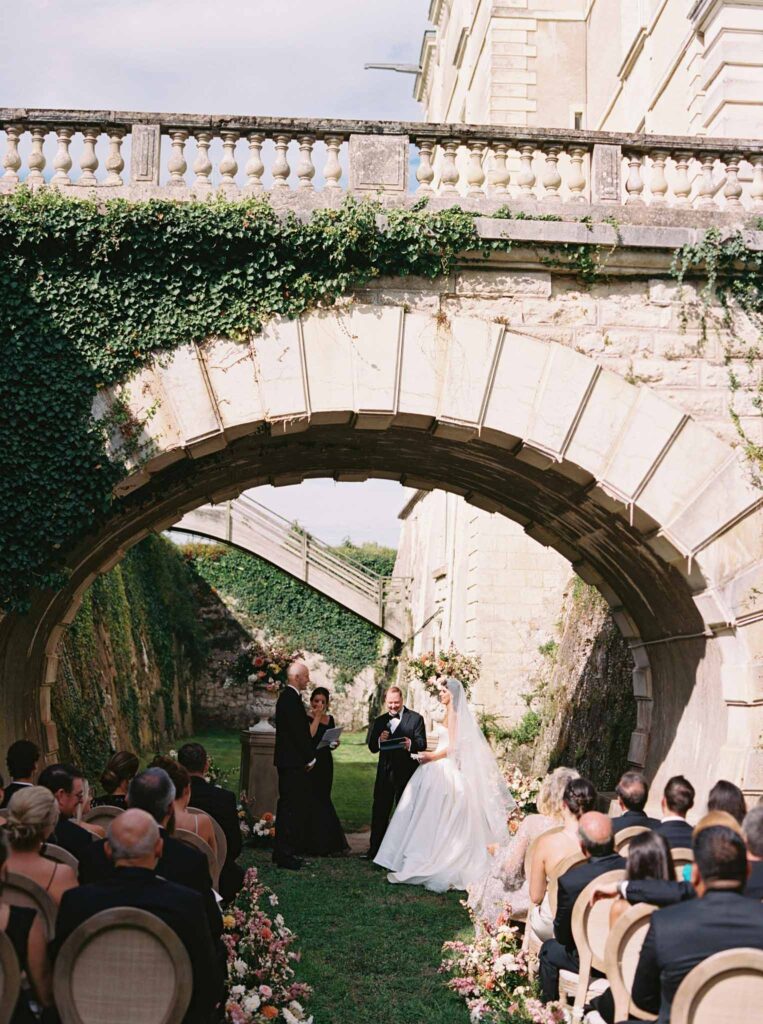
20,891
621,955
102,816
624,836
682,856
10,979
122,965
727,988
57,853
192,839
590,930
222,842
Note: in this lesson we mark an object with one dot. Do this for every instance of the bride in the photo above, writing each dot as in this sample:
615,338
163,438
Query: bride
453,808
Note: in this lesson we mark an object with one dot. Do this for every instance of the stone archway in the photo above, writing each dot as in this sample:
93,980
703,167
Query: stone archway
646,504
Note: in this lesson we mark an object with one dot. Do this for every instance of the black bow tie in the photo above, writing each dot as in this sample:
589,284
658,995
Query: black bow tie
394,718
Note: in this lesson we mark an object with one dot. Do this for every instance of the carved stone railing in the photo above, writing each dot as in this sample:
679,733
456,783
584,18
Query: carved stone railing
312,162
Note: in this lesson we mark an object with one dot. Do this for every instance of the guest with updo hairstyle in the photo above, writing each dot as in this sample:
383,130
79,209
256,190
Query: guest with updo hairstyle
120,770
31,816
198,822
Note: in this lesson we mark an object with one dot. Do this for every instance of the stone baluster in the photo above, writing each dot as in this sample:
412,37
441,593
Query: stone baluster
682,187
88,162
255,168
115,161
305,166
475,174
11,159
658,182
332,172
62,161
202,165
706,197
500,174
449,175
577,183
634,183
36,160
733,191
526,177
552,179
756,192
177,164
228,164
281,169
425,170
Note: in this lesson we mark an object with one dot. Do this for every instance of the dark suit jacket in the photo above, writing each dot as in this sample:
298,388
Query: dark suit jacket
630,818
682,936
677,833
177,906
665,894
294,744
754,887
220,804
10,789
571,884
179,863
71,837
398,763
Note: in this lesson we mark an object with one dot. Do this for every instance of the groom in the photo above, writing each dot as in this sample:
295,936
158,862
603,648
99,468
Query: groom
395,767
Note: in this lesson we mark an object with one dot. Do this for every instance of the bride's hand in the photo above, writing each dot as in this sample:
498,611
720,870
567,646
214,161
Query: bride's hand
425,758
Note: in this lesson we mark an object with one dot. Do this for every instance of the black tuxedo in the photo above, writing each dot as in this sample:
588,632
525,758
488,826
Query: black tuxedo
74,838
560,952
677,833
682,936
754,886
628,819
220,804
293,753
176,905
394,770
10,789
665,894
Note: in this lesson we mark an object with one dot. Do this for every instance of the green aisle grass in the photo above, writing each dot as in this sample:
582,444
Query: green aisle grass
224,748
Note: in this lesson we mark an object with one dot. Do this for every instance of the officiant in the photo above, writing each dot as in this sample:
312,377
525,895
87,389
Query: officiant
396,766
323,835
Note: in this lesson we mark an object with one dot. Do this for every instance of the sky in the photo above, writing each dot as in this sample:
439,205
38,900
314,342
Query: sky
291,58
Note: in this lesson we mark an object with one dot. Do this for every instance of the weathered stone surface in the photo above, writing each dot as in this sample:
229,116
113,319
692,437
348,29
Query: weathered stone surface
379,164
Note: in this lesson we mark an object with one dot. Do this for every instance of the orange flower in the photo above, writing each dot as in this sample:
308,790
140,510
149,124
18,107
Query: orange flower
267,816
270,1012
267,934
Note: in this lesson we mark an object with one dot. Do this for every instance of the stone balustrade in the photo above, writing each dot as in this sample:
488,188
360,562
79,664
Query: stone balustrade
183,156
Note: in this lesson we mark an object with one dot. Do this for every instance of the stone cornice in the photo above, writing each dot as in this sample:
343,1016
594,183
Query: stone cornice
704,10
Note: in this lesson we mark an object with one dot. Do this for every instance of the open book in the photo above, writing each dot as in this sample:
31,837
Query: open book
330,736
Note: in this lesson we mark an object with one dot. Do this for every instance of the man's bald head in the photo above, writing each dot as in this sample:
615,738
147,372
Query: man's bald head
596,836
298,674
133,838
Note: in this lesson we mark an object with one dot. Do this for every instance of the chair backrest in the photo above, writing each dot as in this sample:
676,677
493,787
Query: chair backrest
624,836
122,965
102,816
20,891
590,930
560,869
621,955
10,979
727,988
534,842
682,856
191,839
57,853
222,842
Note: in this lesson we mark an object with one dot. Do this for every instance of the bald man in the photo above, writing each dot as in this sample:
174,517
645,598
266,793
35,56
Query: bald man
294,758
560,953
134,843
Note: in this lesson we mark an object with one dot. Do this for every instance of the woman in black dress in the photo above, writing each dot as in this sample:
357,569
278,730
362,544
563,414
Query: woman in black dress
324,835
116,778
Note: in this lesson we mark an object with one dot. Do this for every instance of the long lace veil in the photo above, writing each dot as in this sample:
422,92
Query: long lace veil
489,794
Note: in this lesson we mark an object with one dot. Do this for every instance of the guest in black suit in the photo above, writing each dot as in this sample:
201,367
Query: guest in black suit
753,834
22,759
677,801
134,844
219,804
294,758
632,794
682,936
395,767
560,953
725,796
66,783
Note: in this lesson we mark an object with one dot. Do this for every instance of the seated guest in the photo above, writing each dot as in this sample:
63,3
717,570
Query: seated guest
25,929
66,783
579,798
134,845
22,760
725,796
632,794
682,936
560,953
115,779
220,804
200,824
31,817
677,801
752,828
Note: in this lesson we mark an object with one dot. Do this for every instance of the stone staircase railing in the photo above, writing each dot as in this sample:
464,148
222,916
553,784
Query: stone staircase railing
184,155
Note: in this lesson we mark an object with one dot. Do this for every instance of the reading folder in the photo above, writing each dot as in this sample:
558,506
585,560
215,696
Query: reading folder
393,744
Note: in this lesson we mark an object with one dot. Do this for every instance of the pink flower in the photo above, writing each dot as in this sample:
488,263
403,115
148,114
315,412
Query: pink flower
266,991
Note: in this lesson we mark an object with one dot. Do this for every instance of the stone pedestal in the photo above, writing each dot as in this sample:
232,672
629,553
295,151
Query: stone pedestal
258,773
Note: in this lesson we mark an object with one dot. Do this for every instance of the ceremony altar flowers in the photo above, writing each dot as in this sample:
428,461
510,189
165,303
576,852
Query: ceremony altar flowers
263,666
427,667
261,979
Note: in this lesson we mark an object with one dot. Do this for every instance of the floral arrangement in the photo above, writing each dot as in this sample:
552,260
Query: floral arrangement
259,831
264,667
427,667
261,983
491,975
524,788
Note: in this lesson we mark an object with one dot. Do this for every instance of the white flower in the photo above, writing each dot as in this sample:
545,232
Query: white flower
252,1003
279,920
239,966
273,900
238,990
288,1016
296,1007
